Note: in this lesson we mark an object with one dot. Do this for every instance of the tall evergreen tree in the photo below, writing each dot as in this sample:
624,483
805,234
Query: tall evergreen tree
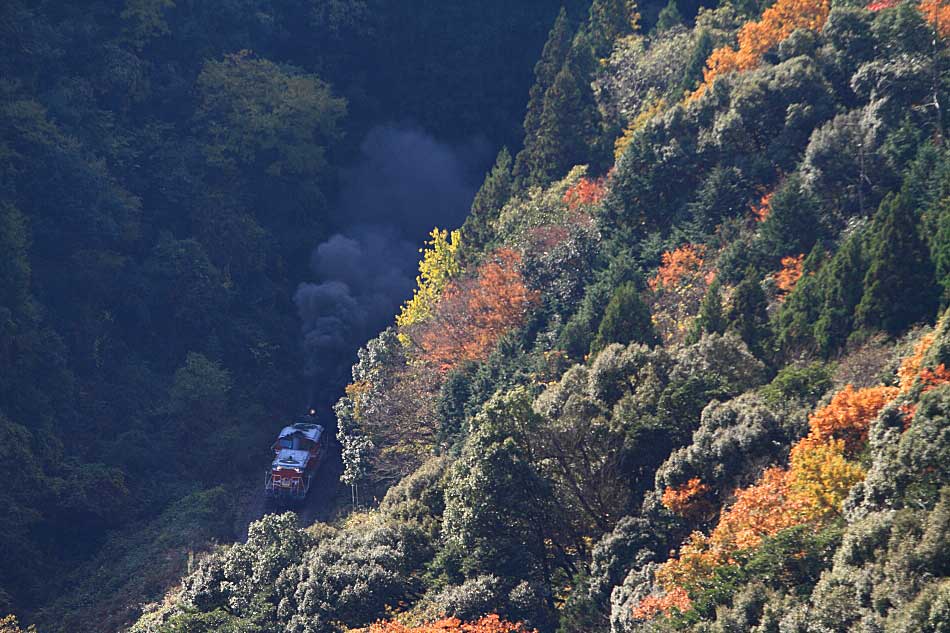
552,59
899,288
569,128
702,49
609,20
747,315
793,225
626,320
489,200
14,259
669,17
796,318
841,284
940,247
711,318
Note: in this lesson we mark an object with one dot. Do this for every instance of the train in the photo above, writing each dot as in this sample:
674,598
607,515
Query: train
298,451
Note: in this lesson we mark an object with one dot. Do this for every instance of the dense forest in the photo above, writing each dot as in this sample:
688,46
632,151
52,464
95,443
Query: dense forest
682,366
166,169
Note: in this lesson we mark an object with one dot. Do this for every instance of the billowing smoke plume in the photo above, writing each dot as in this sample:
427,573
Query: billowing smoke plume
405,183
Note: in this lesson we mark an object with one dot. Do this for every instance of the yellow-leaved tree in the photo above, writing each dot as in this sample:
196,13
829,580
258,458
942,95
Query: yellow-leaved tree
440,263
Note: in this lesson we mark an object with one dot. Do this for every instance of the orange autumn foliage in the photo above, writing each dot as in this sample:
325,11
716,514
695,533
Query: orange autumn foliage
683,499
761,211
848,416
935,377
930,379
486,624
652,606
757,38
880,5
910,366
585,192
788,276
473,313
937,13
822,471
761,510
677,265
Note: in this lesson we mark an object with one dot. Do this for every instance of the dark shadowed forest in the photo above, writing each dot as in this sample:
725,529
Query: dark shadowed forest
624,318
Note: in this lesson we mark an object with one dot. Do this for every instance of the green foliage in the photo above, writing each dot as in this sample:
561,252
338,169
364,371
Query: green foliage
15,265
847,183
451,406
495,471
841,282
711,319
578,332
747,314
792,560
940,241
899,287
200,387
805,383
626,320
731,438
139,565
610,20
145,20
160,193
491,197
546,69
279,120
724,194
793,224
698,54
569,131
669,17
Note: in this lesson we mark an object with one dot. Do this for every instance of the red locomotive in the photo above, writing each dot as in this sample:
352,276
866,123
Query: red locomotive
298,451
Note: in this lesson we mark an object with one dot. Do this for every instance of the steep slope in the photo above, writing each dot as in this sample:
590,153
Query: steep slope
678,369
166,170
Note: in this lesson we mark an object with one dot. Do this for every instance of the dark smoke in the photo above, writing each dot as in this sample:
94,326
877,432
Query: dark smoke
409,181
405,183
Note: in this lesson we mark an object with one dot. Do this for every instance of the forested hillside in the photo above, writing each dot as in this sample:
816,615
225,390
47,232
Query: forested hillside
682,367
166,169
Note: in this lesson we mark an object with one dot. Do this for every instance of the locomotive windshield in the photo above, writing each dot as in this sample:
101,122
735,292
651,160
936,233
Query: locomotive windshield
295,442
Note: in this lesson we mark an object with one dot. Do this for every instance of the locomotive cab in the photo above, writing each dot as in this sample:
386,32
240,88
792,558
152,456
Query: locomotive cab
298,451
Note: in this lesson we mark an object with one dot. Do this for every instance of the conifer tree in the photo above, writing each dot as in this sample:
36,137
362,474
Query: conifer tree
669,17
568,132
711,318
609,20
899,287
792,225
940,248
489,200
552,59
841,286
796,319
747,314
626,320
702,49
